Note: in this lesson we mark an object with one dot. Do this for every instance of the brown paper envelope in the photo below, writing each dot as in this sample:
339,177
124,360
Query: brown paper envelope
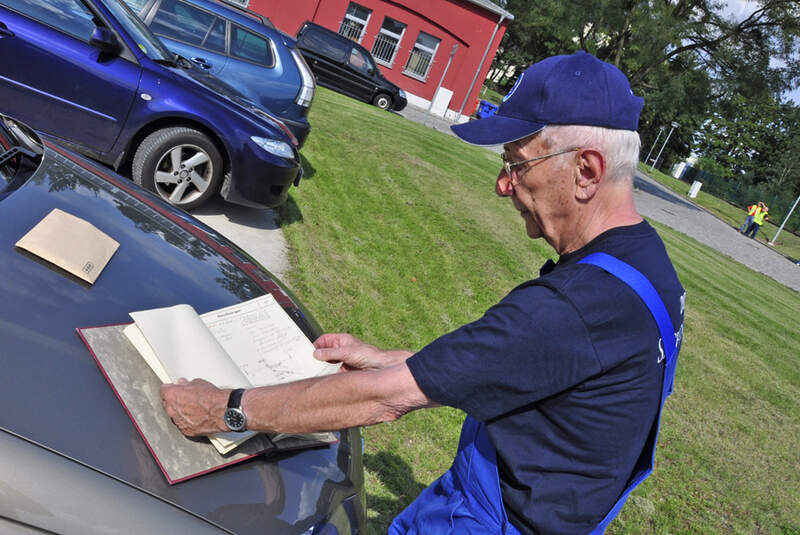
71,243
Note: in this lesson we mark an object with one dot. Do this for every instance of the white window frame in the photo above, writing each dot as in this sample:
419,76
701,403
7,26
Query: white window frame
423,48
355,20
398,37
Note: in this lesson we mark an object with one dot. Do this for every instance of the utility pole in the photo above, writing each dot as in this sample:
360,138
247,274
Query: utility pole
785,219
452,53
674,126
660,130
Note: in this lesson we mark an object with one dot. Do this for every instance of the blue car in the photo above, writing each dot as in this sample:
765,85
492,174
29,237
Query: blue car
90,75
240,46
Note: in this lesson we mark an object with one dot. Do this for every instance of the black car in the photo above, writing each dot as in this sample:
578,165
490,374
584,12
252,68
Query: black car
347,67
72,461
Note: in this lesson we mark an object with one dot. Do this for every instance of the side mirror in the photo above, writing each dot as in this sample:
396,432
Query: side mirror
105,41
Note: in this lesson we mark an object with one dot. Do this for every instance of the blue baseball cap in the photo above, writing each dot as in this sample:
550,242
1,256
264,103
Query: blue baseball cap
578,89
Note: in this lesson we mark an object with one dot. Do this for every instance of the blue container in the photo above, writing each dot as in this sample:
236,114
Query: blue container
486,109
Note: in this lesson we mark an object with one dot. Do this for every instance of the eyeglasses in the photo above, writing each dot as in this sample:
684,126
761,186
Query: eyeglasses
508,166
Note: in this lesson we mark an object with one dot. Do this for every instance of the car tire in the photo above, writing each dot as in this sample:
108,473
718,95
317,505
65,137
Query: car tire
181,165
383,101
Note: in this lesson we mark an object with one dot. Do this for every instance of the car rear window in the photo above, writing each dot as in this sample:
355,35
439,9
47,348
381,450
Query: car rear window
325,45
249,46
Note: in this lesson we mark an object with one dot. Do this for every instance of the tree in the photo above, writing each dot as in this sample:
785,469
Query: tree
685,57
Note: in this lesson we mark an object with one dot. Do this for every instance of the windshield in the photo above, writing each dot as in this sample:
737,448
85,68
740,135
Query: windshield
145,39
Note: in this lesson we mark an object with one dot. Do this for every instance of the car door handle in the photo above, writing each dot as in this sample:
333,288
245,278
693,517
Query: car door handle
202,62
4,31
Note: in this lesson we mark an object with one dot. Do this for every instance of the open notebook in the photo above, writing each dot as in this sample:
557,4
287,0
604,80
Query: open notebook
249,344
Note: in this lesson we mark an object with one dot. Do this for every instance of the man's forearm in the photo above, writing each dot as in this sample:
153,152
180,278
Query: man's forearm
333,402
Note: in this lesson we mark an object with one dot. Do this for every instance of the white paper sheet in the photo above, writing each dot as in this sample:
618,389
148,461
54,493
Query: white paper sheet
264,342
186,348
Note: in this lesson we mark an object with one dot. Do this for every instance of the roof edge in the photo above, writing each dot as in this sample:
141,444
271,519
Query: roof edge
492,7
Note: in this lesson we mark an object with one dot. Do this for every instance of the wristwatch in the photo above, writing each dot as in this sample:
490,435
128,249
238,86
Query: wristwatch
234,415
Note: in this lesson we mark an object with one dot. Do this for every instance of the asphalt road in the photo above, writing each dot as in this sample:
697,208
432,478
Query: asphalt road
257,231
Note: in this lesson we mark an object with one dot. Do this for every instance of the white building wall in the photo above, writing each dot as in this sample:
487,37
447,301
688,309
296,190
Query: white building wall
440,111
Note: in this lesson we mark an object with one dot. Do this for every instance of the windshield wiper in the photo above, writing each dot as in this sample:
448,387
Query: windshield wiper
171,61
183,62
175,61
167,62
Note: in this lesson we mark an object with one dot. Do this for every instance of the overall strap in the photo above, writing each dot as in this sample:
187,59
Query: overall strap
647,292
649,295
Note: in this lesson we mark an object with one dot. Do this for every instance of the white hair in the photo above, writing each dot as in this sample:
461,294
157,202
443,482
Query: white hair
620,147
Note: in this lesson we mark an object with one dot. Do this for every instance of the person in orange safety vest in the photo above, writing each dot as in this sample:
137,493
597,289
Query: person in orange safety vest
752,210
758,220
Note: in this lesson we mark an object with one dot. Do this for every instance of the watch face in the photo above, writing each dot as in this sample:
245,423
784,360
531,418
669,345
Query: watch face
235,420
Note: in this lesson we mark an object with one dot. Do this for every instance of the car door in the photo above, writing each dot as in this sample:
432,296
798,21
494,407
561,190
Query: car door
255,65
54,80
190,31
358,74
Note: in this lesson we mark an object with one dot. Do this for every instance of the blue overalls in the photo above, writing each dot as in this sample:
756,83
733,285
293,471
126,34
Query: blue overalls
467,498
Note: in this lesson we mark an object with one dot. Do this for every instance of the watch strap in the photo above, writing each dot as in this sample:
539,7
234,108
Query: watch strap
235,399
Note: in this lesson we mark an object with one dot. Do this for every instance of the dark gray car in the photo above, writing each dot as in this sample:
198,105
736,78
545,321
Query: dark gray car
72,461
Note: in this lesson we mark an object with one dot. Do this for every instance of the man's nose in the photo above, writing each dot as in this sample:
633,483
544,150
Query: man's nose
503,187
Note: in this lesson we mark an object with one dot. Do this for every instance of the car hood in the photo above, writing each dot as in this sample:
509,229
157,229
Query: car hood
221,89
52,391
205,78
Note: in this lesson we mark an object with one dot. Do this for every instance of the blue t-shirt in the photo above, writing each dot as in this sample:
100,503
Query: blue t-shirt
566,371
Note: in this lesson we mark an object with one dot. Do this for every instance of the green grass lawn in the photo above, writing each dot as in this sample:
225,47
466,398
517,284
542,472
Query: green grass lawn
396,236
491,95
788,244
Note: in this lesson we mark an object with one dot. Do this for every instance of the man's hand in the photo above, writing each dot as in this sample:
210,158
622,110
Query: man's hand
355,354
196,407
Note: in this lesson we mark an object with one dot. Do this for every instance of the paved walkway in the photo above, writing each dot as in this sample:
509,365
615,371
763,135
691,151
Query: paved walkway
253,229
660,204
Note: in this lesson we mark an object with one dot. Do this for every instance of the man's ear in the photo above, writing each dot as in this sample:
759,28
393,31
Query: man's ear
591,166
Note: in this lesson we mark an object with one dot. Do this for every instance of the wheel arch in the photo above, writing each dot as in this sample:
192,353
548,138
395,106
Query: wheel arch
168,122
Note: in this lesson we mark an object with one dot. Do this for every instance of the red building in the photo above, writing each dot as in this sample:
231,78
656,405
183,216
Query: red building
419,44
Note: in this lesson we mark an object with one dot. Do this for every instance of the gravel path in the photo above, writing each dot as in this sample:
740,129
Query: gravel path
659,203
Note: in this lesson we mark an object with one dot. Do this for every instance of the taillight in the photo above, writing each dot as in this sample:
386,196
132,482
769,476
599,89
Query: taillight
309,86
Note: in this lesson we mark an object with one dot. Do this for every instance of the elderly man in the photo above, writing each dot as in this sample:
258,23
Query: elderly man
564,379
